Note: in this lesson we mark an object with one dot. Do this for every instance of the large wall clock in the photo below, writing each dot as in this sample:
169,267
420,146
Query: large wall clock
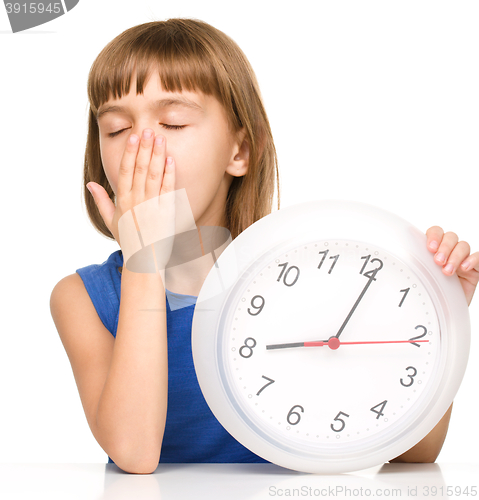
325,339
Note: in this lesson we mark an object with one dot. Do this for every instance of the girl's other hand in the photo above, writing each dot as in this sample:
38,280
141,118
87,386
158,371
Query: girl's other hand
145,173
454,256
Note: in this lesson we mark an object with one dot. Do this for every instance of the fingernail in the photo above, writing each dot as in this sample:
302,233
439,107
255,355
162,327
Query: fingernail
440,257
159,140
449,269
133,139
89,189
433,245
147,134
169,164
466,265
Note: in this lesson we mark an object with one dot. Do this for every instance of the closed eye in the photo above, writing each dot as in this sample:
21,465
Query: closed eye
113,134
164,125
172,127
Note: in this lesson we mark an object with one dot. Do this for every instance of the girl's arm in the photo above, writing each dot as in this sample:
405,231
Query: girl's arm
122,383
132,407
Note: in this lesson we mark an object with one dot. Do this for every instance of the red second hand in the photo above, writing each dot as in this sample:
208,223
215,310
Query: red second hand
334,342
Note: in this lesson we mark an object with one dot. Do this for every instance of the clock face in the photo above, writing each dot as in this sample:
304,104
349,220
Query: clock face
326,340
330,341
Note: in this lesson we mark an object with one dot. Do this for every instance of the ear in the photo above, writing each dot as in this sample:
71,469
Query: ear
238,165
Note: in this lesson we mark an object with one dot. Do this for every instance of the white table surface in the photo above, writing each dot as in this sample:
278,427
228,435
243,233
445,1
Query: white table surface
234,481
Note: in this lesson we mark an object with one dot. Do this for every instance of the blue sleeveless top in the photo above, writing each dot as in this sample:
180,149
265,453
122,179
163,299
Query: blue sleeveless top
192,433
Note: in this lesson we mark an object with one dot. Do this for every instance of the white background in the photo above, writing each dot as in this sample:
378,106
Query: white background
375,101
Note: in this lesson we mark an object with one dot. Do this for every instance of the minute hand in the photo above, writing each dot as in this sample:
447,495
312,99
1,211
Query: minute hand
372,278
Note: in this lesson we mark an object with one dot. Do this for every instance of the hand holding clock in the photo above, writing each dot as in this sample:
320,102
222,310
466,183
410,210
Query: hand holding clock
454,256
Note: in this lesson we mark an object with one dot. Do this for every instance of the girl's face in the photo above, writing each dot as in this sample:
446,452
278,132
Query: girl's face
207,154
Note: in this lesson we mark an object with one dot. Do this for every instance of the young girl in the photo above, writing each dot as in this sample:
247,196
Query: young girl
174,105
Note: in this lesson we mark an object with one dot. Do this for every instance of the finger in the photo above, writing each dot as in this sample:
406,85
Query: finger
167,204
127,166
103,202
471,262
458,254
434,237
156,169
143,162
449,241
168,184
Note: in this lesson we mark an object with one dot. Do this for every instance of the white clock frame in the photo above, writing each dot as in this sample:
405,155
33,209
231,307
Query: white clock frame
333,220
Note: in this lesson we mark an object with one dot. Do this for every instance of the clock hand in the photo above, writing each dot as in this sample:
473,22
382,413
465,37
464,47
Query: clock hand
287,346
365,289
334,343
331,341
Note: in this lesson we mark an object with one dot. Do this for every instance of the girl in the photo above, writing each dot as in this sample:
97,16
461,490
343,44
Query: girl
174,105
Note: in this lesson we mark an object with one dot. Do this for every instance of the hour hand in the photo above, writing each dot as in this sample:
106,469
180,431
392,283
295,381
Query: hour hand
285,346
332,343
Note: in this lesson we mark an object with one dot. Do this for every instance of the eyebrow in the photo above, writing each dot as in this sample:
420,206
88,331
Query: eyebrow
161,103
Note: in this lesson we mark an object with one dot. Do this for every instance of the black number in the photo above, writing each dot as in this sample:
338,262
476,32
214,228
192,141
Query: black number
337,419
410,376
367,257
270,381
335,257
260,308
405,292
285,265
247,348
371,274
291,412
380,411
419,336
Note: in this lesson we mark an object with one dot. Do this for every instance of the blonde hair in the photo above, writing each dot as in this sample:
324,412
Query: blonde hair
194,56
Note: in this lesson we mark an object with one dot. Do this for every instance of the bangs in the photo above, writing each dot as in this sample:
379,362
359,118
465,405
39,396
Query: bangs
183,62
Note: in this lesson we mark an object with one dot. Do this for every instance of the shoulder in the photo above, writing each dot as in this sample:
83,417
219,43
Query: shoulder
91,292
68,291
77,322
68,304
68,285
